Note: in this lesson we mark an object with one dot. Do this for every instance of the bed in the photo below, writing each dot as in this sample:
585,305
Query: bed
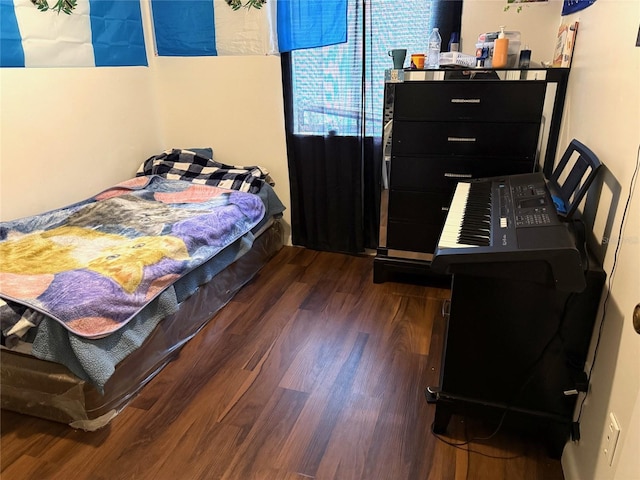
119,282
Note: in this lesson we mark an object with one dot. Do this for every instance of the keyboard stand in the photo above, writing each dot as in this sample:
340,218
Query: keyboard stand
406,270
513,348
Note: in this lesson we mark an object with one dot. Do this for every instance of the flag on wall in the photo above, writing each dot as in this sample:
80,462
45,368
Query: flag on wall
308,24
573,6
211,27
184,28
101,33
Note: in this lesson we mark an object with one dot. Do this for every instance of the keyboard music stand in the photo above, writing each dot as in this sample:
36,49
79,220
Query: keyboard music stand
569,182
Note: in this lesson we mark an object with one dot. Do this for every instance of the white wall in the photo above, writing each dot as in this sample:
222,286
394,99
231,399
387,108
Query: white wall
68,133
537,24
232,104
603,111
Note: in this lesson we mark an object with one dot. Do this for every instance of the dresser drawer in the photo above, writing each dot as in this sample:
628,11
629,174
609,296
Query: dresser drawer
465,138
413,237
426,207
468,100
433,173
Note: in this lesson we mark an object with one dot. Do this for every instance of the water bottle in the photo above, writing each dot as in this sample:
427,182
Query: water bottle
435,42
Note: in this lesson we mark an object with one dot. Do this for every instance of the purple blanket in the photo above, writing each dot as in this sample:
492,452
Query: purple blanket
94,265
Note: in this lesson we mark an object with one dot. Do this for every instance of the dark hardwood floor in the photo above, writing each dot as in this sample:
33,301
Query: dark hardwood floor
312,371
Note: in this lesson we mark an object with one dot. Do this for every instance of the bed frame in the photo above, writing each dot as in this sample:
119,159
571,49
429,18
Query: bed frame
49,390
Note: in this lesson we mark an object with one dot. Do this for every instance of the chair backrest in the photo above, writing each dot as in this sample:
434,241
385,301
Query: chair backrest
572,177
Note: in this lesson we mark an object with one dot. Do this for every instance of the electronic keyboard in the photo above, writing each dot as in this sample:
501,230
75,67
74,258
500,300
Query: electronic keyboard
508,224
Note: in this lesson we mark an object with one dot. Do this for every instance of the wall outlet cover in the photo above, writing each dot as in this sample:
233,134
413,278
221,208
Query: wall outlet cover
611,435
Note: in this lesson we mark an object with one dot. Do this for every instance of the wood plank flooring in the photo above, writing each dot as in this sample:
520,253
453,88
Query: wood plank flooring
311,372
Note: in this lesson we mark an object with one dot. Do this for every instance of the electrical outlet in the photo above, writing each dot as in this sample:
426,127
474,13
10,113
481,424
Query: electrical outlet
611,434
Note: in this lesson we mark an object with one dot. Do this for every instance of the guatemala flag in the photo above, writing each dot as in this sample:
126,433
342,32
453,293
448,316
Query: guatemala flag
190,28
97,33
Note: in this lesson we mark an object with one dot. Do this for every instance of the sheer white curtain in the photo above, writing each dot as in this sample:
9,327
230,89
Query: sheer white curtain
328,83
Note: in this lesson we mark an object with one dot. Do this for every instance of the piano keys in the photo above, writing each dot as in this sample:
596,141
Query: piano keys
508,224
468,203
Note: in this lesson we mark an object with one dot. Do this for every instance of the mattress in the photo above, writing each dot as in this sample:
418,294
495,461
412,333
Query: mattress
46,389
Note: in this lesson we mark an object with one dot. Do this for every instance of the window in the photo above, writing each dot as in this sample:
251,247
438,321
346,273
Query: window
327,93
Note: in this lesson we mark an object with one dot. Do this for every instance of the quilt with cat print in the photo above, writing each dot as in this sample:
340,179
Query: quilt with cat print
93,265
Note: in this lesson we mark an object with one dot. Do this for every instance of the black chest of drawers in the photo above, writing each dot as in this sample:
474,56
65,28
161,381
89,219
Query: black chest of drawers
444,131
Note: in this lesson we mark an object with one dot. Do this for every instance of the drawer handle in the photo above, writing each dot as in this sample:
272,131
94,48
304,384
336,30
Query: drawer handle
461,139
446,308
465,100
444,209
458,175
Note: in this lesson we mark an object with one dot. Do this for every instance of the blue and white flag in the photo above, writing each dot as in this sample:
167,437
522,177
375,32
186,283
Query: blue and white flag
97,33
210,27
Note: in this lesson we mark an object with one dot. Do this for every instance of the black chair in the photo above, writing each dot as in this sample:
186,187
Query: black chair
572,177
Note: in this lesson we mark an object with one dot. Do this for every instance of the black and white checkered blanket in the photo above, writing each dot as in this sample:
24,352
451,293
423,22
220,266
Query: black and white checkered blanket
177,164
